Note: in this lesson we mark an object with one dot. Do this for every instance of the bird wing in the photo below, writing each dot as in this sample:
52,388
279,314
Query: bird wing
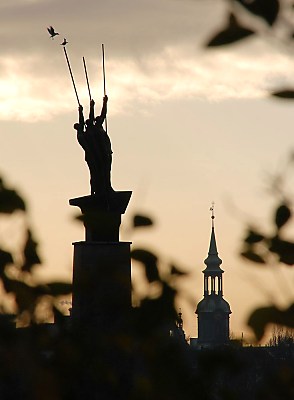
51,30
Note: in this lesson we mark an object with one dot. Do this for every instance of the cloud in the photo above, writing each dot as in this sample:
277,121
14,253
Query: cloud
128,27
153,54
30,90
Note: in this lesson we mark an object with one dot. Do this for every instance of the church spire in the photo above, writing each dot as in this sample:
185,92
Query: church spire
213,261
213,310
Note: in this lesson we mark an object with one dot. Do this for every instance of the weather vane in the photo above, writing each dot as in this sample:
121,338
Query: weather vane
212,212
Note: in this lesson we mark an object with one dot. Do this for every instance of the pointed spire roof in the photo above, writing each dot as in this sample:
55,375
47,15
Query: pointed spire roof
213,261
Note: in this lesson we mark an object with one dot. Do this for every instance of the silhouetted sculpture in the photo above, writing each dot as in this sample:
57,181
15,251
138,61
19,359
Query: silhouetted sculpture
101,295
97,146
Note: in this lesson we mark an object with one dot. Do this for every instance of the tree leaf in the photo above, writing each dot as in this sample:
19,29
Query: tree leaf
25,295
150,262
251,256
232,32
5,259
10,200
284,94
283,213
31,256
174,270
266,9
261,317
156,314
284,249
141,220
59,288
253,237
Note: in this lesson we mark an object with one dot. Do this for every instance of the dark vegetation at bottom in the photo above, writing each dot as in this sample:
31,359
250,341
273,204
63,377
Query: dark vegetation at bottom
142,361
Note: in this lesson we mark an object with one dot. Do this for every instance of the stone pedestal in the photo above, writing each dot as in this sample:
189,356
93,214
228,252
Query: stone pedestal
101,214
101,284
102,264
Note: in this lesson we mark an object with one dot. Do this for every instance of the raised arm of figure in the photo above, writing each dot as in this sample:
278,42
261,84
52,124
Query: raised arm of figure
104,109
92,112
81,116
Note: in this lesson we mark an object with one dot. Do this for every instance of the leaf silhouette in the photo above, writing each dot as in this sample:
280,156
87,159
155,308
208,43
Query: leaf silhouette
260,317
10,200
5,259
251,256
284,249
59,288
266,9
284,94
176,271
25,295
283,213
156,313
31,256
253,237
142,220
150,262
232,32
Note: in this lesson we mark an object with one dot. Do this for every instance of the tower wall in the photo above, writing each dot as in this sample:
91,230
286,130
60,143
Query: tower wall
213,328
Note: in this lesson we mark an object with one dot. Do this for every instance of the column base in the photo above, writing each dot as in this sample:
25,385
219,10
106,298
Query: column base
101,284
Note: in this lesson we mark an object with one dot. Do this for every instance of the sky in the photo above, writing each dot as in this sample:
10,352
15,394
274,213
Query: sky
188,126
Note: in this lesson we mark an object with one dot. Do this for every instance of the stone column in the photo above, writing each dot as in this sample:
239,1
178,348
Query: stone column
102,264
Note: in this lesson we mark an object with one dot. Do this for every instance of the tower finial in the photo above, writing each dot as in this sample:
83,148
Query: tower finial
212,213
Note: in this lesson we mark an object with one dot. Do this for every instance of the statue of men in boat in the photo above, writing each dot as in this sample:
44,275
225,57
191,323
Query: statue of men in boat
97,147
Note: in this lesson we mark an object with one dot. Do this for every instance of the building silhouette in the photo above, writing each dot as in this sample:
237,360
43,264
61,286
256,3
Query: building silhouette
213,311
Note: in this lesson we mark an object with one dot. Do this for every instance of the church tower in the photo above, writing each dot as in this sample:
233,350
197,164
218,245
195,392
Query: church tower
213,311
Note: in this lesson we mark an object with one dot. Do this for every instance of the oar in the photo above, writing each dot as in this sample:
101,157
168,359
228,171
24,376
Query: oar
104,80
86,73
72,78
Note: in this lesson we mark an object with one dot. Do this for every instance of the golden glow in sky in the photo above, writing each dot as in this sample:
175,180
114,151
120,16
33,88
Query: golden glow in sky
188,126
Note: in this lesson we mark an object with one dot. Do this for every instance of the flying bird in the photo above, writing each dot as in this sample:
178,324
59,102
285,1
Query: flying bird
52,32
64,43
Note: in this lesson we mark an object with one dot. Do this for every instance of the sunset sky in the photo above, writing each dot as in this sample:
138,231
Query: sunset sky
188,126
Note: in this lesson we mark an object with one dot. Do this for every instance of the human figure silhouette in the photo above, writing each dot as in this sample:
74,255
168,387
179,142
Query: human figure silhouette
97,146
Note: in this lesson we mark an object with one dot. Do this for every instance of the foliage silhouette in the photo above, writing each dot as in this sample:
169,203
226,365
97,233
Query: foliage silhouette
232,32
149,260
259,319
284,94
30,254
17,276
141,220
142,361
271,249
10,201
258,247
281,336
266,9
274,13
